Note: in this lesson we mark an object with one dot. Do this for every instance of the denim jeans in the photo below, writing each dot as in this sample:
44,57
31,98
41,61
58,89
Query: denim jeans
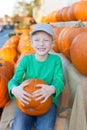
42,122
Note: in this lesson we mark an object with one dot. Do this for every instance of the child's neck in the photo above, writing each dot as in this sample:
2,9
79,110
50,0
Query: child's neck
41,58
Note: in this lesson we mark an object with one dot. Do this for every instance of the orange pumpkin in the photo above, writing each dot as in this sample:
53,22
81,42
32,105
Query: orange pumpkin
80,10
78,52
24,43
9,54
64,30
9,44
58,16
64,13
15,39
35,107
71,13
8,65
57,31
5,72
12,42
51,17
4,96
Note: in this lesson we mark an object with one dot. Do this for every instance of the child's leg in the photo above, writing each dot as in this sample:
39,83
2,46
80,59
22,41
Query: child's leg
47,121
22,121
8,115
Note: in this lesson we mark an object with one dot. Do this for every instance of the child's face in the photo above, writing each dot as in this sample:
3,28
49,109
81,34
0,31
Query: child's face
42,43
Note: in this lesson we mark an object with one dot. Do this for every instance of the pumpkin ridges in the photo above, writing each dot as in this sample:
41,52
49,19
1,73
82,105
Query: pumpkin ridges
71,13
61,35
57,31
58,15
64,13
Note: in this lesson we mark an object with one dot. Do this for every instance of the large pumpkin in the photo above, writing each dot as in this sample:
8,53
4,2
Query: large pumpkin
80,10
78,52
35,107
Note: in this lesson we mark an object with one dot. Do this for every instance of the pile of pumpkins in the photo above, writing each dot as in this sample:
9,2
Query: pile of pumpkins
77,11
71,41
10,54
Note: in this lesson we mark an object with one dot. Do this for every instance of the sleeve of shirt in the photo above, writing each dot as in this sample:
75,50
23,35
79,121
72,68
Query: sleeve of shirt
58,78
18,76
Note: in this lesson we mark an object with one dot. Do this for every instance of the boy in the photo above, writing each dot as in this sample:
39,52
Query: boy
44,66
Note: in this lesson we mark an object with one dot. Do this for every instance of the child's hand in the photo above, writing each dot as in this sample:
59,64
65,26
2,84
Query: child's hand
21,94
44,92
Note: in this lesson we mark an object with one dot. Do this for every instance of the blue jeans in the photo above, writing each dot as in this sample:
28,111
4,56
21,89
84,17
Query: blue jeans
42,122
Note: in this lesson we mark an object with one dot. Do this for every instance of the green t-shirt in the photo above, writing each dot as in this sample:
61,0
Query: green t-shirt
50,71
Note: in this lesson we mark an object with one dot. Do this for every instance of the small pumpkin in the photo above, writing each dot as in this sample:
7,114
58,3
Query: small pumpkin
34,107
